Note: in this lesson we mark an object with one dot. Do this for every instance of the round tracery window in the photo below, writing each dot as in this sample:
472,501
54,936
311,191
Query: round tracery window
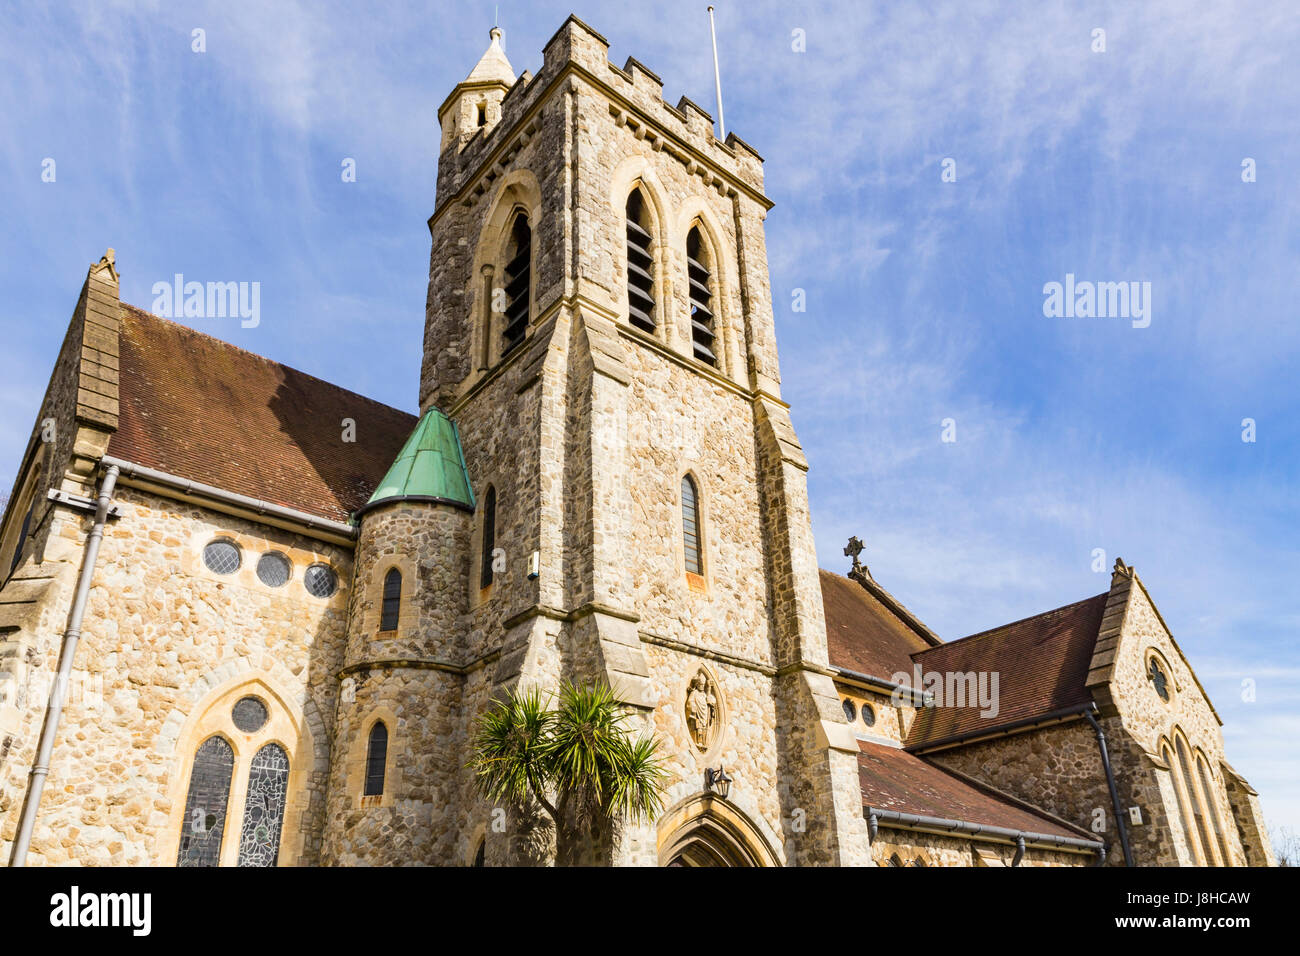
273,569
221,556
249,714
320,581
850,711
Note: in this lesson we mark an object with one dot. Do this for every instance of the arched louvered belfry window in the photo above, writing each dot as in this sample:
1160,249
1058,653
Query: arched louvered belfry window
268,786
489,537
640,264
518,278
700,290
392,605
692,533
376,759
205,804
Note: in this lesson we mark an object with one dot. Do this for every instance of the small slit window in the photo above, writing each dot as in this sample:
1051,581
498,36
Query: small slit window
376,756
691,527
700,290
640,265
392,605
480,115
489,537
518,277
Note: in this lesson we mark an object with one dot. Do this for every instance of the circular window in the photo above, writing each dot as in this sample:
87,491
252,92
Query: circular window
249,714
222,556
1158,679
850,711
868,715
320,581
273,569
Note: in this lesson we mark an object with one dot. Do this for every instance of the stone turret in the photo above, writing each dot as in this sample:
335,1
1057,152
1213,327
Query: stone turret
404,630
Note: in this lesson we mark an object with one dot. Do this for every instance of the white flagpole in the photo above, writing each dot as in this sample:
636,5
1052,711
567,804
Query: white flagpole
717,78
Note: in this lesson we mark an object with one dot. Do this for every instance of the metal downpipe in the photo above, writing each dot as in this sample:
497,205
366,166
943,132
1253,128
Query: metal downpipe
1110,782
54,708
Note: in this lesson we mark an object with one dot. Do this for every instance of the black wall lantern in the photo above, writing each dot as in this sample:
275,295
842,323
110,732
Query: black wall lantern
718,781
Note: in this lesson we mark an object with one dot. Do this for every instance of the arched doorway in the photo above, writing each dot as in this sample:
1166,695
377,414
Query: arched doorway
706,830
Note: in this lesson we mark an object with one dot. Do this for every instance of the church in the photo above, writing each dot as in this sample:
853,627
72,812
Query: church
249,618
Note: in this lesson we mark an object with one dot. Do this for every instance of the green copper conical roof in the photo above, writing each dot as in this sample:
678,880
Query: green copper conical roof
430,467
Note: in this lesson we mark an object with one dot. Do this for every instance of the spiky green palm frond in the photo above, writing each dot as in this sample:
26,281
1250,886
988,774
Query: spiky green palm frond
510,747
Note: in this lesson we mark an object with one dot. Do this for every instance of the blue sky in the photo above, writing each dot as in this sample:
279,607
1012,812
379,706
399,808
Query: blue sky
924,298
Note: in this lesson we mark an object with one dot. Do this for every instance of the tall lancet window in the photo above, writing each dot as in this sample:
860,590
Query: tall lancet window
518,278
640,265
392,606
691,530
268,785
700,290
489,537
205,805
376,758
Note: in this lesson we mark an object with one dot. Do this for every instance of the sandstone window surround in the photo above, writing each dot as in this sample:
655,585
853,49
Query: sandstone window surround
265,783
391,607
319,582
19,530
362,763
1160,675
401,617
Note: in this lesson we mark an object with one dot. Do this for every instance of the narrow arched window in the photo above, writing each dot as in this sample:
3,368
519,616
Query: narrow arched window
22,537
691,531
268,785
1180,795
489,537
205,804
1212,807
518,277
392,606
376,757
1185,766
640,265
480,855
700,290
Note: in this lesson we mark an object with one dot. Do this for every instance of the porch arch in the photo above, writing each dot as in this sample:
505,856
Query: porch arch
705,830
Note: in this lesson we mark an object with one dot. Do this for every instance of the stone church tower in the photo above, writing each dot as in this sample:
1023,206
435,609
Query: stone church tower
599,327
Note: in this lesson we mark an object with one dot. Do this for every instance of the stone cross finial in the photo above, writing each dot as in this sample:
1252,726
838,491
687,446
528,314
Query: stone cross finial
853,549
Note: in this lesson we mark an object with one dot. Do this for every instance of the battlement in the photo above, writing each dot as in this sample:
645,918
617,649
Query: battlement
577,51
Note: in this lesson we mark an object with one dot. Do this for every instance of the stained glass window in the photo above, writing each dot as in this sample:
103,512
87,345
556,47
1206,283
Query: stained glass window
376,754
249,714
392,600
268,782
691,527
205,806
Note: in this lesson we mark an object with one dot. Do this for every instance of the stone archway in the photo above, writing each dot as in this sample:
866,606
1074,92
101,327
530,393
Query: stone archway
706,830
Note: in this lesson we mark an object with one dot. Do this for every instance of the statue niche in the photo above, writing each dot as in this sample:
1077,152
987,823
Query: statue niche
703,714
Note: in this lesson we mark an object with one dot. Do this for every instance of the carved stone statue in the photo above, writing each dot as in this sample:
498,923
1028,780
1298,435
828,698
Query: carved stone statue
702,710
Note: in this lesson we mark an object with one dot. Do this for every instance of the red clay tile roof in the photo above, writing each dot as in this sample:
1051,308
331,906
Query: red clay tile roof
893,779
1041,663
200,408
862,634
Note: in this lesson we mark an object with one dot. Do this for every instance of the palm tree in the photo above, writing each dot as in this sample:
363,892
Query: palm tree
577,761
